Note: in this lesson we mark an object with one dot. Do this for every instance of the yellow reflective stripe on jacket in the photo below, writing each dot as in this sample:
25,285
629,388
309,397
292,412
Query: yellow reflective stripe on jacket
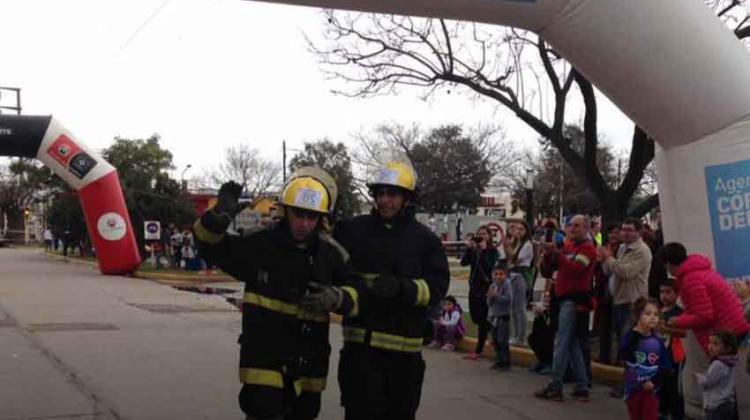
395,342
383,341
271,304
206,235
284,307
306,384
354,335
263,377
369,278
355,299
423,293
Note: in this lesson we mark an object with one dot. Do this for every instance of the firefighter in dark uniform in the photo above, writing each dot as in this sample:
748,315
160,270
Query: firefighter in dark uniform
294,275
405,274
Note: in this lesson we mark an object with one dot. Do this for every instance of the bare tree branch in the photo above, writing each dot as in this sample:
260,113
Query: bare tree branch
245,165
729,7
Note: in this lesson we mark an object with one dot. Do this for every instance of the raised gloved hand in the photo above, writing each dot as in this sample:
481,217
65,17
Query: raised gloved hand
386,286
228,201
322,298
227,206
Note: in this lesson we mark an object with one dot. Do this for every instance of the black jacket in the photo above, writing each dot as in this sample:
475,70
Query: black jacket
408,250
480,278
280,340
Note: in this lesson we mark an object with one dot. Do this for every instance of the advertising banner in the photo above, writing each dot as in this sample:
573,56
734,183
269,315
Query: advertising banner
729,207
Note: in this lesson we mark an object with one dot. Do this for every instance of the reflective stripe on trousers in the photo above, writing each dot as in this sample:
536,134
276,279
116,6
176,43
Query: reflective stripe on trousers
383,341
275,379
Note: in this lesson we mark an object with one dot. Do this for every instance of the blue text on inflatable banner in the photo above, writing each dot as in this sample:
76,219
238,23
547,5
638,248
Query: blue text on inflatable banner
729,206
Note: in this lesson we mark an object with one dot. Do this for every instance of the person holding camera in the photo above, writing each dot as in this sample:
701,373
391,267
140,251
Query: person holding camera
294,275
519,248
481,255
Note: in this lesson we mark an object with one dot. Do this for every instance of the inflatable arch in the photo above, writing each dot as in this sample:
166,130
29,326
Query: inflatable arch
682,76
94,179
678,72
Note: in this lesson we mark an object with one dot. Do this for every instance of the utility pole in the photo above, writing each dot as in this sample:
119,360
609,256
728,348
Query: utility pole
283,156
530,198
562,189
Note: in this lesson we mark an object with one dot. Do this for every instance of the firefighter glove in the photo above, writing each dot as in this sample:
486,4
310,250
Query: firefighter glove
386,286
322,298
228,201
227,206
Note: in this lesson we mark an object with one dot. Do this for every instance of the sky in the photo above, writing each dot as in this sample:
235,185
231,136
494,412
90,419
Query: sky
206,75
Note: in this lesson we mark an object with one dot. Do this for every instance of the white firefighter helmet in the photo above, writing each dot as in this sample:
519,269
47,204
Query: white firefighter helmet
396,171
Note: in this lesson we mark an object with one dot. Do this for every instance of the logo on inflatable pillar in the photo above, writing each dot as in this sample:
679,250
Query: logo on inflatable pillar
729,206
111,226
66,152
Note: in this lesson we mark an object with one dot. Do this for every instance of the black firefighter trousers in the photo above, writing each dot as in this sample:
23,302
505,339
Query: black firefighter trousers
263,402
377,384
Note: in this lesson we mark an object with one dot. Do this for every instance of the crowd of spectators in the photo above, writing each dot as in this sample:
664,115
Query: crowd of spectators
647,300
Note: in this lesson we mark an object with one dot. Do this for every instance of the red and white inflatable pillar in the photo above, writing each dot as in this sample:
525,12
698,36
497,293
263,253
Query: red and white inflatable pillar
94,178
101,198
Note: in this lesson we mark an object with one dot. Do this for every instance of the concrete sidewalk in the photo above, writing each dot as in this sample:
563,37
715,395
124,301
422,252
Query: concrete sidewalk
85,345
79,345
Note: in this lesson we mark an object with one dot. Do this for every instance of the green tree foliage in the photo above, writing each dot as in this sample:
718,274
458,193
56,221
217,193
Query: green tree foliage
20,180
333,158
452,169
150,193
66,216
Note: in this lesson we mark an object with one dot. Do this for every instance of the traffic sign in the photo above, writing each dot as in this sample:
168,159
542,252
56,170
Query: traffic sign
151,230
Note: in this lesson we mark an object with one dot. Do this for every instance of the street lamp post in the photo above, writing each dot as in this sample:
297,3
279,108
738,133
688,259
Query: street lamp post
530,198
182,177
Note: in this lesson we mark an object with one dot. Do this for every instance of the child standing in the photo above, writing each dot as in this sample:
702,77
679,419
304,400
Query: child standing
718,382
742,287
450,327
671,403
542,337
646,359
499,298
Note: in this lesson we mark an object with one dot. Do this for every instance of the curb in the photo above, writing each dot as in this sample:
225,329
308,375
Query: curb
525,357
147,275
177,278
62,258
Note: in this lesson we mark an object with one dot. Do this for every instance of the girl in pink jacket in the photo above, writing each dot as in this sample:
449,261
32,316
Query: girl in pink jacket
709,302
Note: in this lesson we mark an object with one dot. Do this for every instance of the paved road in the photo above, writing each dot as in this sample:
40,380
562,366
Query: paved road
78,345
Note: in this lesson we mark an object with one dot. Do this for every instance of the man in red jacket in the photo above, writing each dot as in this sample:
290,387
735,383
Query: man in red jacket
709,302
575,274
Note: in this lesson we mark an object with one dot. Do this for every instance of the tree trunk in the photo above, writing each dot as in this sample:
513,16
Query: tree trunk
612,211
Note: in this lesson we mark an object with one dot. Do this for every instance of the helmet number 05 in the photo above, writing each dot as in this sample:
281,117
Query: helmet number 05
308,198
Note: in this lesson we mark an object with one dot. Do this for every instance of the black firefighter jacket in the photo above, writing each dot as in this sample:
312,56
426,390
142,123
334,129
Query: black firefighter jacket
408,250
281,341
